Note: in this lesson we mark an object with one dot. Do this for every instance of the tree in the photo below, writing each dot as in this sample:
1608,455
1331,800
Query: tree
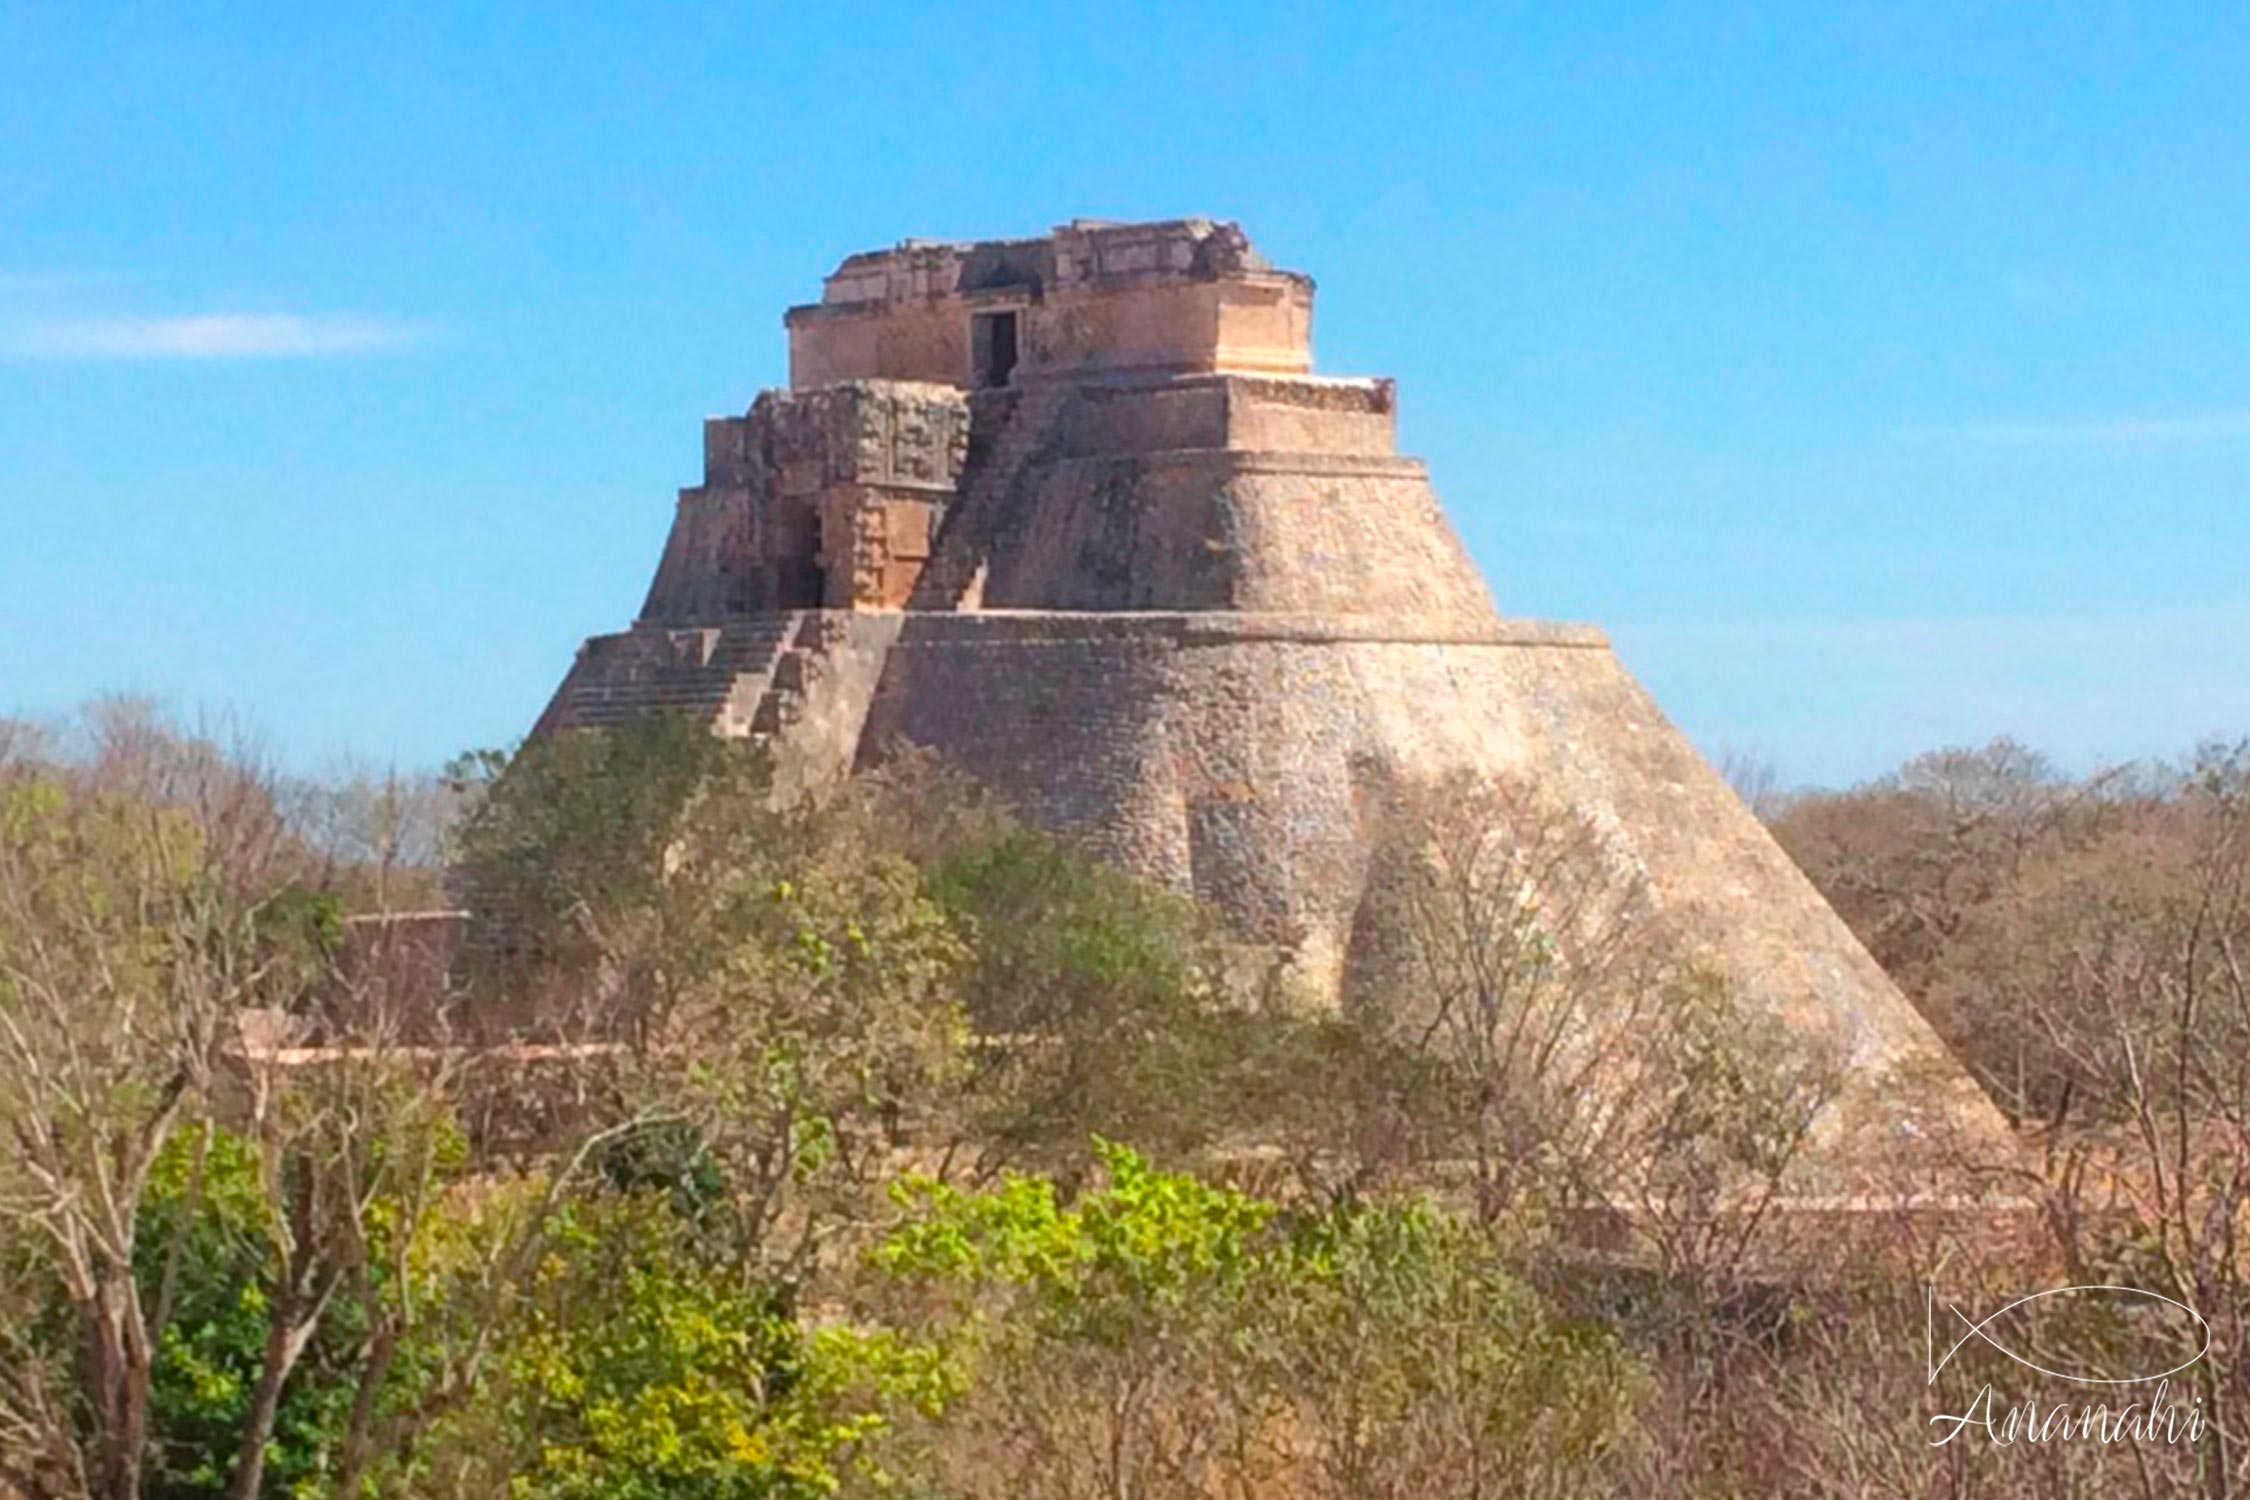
808,1024
1104,1005
561,857
1159,1335
1413,1360
1716,1107
146,973
2131,965
1503,936
647,1368
1098,1332
125,959
1928,865
203,1239
352,1152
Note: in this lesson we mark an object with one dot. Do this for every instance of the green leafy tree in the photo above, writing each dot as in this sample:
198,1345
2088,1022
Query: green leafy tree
561,856
651,1370
1160,1335
1101,1331
810,1028
125,959
1104,1005
1412,1360
205,1252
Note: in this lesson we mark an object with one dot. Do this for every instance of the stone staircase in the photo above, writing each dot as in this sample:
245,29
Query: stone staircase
1022,422
811,716
719,674
795,671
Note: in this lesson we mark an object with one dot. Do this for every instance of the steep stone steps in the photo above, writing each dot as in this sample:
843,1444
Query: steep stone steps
715,673
1021,422
796,670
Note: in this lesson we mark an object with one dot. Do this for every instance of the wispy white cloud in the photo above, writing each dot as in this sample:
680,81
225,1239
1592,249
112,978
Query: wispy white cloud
2119,432
212,336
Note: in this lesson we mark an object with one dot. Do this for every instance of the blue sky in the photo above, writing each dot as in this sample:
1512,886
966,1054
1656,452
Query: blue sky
1879,374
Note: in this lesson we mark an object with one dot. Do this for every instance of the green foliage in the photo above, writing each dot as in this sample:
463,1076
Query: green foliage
1159,1324
125,957
575,824
203,1234
733,1292
95,881
1056,929
1112,1007
1414,1361
809,1015
1108,1267
652,1373
304,923
669,1155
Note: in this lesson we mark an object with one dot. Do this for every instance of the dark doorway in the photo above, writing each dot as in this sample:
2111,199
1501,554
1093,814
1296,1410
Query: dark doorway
992,343
798,581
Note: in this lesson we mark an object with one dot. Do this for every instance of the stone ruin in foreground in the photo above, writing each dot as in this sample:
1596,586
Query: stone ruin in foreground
1075,513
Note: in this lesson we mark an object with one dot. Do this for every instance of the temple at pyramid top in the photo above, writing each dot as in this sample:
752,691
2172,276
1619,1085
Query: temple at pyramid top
1180,296
1108,417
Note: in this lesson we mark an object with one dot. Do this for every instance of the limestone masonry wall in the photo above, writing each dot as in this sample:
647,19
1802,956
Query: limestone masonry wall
1247,763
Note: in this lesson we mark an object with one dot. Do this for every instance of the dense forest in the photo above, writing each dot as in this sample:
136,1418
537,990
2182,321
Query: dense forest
887,1146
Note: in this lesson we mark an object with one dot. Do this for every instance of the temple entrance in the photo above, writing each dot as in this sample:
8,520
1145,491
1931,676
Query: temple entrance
798,581
992,346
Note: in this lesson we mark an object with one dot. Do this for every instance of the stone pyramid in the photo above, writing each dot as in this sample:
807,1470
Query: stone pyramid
1074,512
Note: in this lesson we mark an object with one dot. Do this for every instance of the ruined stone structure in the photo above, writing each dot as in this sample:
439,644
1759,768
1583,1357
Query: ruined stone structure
1075,512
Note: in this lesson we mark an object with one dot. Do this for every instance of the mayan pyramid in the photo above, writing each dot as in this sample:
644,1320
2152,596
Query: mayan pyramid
1074,512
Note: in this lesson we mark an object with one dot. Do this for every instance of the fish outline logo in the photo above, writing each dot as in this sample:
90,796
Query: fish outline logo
1977,1330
